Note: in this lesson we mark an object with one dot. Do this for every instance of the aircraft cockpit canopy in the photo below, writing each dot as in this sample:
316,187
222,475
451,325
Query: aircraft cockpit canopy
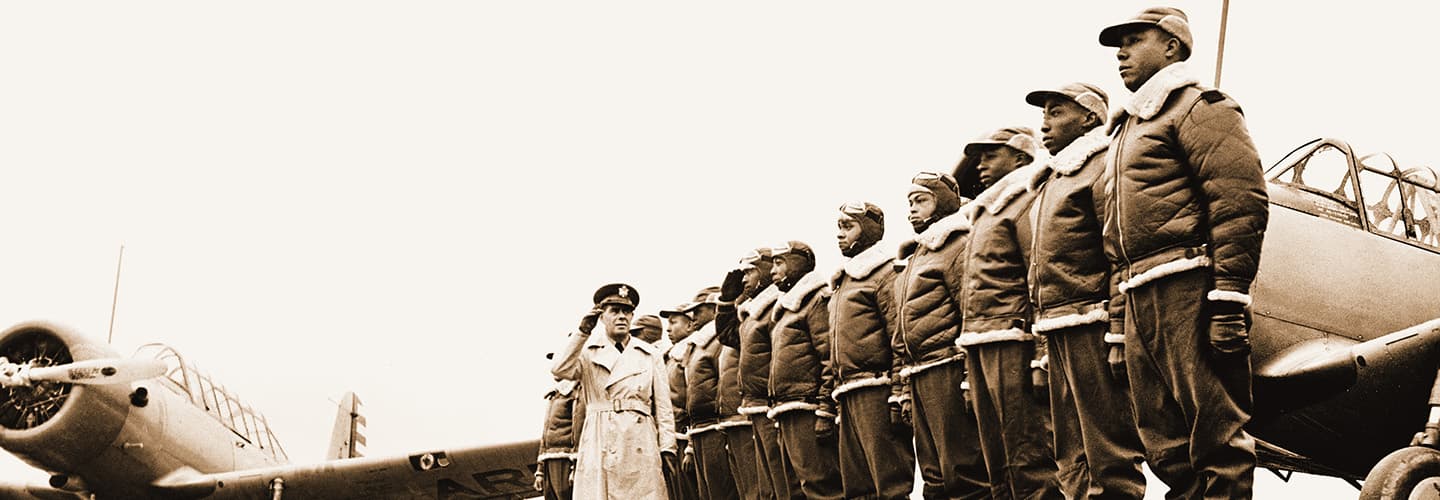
182,378
1402,203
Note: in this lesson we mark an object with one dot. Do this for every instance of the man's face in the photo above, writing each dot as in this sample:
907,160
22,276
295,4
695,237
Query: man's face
922,207
703,314
779,268
1144,52
616,319
754,278
1064,122
849,234
679,325
996,163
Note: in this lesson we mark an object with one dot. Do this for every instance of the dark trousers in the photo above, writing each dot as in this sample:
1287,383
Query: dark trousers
679,483
558,483
712,466
877,459
768,460
1014,422
1191,406
1096,444
947,443
740,441
813,461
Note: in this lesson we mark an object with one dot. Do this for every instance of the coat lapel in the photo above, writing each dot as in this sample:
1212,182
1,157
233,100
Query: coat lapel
601,352
635,360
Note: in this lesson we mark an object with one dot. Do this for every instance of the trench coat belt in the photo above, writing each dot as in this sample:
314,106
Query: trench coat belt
620,405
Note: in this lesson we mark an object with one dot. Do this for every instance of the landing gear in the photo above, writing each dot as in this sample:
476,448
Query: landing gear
1401,474
1412,472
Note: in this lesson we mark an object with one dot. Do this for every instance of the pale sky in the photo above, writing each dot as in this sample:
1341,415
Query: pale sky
415,201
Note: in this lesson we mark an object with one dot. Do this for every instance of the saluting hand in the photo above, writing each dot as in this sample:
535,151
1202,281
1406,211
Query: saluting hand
733,286
587,322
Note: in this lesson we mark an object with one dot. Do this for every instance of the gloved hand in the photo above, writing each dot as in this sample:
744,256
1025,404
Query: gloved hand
687,464
824,428
733,286
967,396
587,322
900,416
540,479
1230,335
1040,383
1116,359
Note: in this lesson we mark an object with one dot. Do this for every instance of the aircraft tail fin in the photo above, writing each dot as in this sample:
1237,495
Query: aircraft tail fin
347,440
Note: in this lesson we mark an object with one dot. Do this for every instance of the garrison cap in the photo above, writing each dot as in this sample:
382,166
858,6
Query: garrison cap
1021,139
646,321
617,293
1088,96
1169,19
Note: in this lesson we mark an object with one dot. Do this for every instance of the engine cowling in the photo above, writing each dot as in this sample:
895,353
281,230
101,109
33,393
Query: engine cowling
57,426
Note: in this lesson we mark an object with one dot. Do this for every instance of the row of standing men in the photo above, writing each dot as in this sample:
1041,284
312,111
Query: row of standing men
1049,327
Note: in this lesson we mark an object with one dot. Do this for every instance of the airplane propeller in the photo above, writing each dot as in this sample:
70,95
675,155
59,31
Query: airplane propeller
87,372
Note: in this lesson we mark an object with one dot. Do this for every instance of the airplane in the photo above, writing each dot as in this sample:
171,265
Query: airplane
1346,322
152,426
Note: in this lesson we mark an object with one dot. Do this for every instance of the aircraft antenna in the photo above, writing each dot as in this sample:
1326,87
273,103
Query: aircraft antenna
1220,53
110,337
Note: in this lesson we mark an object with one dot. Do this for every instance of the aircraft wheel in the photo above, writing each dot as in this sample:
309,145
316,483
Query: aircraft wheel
1401,473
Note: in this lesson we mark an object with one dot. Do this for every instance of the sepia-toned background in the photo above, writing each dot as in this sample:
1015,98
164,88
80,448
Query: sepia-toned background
415,201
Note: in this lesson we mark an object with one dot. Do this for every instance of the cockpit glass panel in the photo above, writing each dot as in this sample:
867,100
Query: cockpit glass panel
1383,206
1325,171
1423,201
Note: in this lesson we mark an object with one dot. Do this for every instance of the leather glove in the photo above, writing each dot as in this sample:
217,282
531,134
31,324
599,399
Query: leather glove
824,428
733,286
1040,382
687,464
539,479
1116,360
587,322
900,417
1230,335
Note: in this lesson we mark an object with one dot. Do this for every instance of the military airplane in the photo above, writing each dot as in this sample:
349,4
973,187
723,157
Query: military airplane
152,426
1347,322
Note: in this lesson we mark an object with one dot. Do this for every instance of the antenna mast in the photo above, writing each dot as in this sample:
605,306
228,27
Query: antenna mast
1220,54
110,338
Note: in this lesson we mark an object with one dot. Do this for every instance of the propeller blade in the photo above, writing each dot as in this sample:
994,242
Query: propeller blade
99,371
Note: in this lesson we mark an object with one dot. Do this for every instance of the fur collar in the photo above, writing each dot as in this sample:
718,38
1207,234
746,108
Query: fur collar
863,265
937,234
702,337
1148,101
996,197
808,283
1073,157
681,349
760,303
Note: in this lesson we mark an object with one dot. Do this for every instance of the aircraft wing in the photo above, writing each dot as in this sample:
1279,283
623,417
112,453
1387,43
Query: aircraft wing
495,471
20,491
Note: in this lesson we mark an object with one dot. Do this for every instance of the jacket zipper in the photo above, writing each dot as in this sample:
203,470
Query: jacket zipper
1034,274
1119,231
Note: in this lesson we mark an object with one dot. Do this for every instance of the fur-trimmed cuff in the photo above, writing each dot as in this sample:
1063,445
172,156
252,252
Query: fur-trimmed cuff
1070,320
1043,363
858,384
696,431
752,410
554,455
1163,270
968,339
1115,338
910,371
1229,296
826,414
789,407
734,423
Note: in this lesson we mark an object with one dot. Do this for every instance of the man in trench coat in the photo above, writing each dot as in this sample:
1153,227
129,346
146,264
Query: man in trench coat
629,422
